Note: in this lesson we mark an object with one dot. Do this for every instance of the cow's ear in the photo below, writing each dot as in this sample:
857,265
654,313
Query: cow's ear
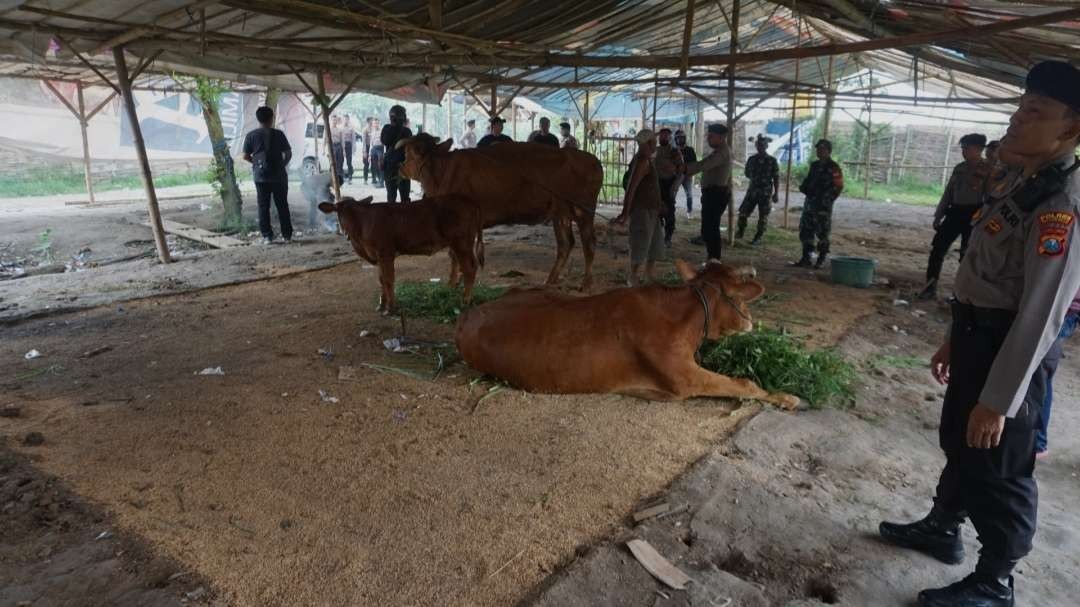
685,270
445,146
327,207
748,290
365,200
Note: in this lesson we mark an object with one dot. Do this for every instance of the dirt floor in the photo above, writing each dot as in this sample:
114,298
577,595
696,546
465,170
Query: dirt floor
260,490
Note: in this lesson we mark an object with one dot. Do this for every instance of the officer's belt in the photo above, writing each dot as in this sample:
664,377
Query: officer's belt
987,318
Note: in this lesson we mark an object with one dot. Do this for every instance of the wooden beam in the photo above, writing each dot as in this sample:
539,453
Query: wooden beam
85,62
138,32
140,151
473,95
688,31
506,102
435,14
100,106
757,103
83,123
67,104
791,129
348,89
701,97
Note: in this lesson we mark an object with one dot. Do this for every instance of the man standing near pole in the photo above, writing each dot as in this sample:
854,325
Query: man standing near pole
822,187
962,197
715,172
268,151
393,158
763,171
1012,292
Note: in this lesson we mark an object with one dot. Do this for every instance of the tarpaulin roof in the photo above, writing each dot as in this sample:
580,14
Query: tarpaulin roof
417,48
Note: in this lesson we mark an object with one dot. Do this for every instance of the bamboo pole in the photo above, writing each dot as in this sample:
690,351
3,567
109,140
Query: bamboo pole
449,114
830,99
655,92
585,120
124,84
733,50
423,118
791,130
869,139
329,134
83,124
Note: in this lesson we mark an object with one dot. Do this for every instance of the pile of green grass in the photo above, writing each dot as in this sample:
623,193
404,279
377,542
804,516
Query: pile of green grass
439,301
779,362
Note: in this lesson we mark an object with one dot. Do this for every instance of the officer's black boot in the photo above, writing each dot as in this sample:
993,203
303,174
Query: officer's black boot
990,586
742,228
823,254
759,234
937,535
805,261
929,291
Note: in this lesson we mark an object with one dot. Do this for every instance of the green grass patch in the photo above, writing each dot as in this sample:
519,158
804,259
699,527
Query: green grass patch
904,192
439,301
780,362
900,362
50,182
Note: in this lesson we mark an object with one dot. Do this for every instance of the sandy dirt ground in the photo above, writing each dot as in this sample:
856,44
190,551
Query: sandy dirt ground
404,490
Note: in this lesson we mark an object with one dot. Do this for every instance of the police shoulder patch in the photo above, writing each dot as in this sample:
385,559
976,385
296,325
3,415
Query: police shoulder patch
1054,229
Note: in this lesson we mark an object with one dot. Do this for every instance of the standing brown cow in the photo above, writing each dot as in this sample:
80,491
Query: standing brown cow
380,232
636,341
516,183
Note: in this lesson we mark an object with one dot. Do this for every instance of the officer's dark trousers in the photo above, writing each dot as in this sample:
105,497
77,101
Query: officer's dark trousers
714,201
279,191
395,184
957,223
347,146
667,198
994,487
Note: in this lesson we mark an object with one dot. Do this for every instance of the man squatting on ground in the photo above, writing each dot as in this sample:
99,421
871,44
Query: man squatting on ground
763,171
822,186
268,151
1012,292
642,206
959,202
715,172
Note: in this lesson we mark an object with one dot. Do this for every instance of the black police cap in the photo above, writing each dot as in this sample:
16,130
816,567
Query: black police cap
717,128
1057,80
976,139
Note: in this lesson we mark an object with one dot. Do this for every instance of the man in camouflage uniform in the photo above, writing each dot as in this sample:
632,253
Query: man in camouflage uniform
822,186
958,204
1012,292
764,174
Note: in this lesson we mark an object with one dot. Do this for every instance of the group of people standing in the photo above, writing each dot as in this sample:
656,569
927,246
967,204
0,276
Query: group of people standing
495,134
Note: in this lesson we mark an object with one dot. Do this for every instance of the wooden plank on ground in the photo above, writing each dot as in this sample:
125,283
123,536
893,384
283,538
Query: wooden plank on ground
184,230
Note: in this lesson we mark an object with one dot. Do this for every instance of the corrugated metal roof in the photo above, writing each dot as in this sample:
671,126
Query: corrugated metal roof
403,48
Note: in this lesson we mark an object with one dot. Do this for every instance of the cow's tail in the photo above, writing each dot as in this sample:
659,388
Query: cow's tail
480,247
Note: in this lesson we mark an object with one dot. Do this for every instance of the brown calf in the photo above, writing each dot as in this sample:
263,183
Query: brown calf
381,232
636,341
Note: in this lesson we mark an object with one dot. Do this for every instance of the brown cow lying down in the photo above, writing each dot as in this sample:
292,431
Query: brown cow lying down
636,341
380,232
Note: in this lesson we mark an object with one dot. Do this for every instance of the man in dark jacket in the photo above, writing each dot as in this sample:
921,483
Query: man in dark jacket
544,135
822,187
496,134
688,155
393,158
268,151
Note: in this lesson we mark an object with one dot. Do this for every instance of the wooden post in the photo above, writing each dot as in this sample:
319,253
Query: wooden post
830,98
699,128
423,118
892,160
585,120
272,96
869,137
655,91
948,151
513,121
83,124
329,135
903,158
791,129
733,48
494,103
449,114
124,83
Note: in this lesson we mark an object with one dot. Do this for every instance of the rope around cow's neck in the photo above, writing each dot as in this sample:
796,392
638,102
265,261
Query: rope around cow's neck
705,304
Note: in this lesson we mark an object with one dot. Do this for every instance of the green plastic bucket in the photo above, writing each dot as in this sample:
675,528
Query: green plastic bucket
853,271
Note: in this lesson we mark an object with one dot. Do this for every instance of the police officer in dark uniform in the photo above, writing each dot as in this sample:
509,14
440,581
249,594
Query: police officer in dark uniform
1012,292
822,186
496,135
764,174
393,158
952,218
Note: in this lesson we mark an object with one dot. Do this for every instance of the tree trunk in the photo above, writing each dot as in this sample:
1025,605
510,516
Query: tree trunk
227,188
272,96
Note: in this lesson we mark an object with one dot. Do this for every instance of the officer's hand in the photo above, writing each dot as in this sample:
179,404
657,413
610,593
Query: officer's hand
939,363
984,427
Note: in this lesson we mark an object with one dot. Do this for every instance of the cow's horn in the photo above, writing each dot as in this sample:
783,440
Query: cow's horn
403,142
